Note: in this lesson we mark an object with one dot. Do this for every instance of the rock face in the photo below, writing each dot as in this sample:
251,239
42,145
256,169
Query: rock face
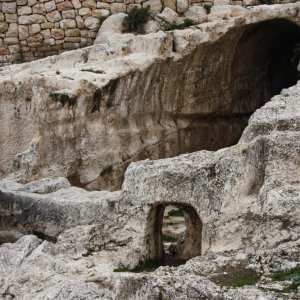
85,115
78,114
247,198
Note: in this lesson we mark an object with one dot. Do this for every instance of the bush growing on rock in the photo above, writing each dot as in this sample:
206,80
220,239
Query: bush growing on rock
136,18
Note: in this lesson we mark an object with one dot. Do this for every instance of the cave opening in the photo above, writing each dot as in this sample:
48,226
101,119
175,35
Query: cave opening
265,61
174,233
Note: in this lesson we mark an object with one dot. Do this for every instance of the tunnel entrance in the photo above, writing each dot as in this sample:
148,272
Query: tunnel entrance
175,233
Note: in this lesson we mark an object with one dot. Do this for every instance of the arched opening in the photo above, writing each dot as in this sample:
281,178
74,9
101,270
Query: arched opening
174,233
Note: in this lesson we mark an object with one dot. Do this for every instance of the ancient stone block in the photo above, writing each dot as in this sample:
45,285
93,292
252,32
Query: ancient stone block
3,27
46,33
85,11
68,14
117,8
9,7
53,16
31,19
39,8
24,10
47,25
79,22
11,41
103,5
155,5
58,34
182,5
67,24
14,49
12,30
11,18
169,3
72,32
92,23
23,32
21,2
89,3
35,38
76,4
34,28
66,5
50,41
50,6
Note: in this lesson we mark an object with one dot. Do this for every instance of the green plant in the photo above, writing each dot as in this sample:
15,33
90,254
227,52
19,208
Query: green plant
136,18
207,7
237,276
290,274
168,26
121,270
175,213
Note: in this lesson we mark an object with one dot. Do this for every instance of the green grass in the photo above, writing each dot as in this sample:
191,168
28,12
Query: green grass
290,274
175,213
237,277
293,273
168,238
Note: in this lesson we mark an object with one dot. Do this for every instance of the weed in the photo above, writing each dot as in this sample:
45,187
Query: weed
168,26
207,7
136,18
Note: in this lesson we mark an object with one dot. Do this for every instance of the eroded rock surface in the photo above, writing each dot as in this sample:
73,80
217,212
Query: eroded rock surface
247,197
86,114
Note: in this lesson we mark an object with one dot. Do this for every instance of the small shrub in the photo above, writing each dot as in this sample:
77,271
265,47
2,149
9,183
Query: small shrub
207,7
136,18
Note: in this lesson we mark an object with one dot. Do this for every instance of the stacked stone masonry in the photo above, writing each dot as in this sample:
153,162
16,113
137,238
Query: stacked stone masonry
33,29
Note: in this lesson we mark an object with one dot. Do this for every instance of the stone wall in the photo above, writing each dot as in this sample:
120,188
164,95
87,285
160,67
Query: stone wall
33,29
